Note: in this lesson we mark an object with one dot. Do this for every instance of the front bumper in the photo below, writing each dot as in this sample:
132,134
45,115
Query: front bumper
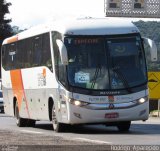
81,115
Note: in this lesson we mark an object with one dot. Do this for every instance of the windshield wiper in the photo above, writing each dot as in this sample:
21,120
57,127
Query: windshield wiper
123,78
98,69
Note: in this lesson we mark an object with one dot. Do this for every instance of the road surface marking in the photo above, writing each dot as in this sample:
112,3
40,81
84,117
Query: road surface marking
33,132
93,141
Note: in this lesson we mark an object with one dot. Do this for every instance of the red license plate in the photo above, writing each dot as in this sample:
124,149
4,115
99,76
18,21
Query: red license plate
112,115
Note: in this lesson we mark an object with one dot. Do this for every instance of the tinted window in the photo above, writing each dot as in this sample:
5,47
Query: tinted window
30,52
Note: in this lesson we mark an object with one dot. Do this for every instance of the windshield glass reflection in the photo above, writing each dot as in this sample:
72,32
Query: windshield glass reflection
105,63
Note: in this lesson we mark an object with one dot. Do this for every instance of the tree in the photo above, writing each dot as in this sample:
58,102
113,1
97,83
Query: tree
5,28
16,30
151,29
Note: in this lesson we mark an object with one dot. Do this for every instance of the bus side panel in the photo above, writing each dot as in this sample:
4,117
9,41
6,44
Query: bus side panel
8,103
37,100
32,88
39,85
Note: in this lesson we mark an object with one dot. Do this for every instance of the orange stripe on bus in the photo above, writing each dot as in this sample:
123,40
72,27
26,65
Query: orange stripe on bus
44,72
12,39
18,88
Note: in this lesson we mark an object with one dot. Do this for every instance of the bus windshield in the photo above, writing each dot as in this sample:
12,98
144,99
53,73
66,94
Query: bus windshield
106,63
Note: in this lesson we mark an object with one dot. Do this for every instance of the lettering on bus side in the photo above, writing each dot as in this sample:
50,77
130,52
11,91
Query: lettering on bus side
110,93
42,78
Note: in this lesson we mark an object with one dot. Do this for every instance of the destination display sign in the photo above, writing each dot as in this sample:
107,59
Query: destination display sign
86,41
132,8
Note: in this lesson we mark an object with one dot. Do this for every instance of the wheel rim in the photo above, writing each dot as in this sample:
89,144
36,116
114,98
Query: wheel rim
17,115
54,119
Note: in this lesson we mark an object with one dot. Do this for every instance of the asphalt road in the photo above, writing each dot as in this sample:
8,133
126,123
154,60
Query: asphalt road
89,137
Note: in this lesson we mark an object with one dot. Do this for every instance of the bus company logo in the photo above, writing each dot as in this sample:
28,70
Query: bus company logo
42,78
111,106
111,98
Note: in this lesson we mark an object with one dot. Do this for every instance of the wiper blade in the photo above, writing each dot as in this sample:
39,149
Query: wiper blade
123,79
98,69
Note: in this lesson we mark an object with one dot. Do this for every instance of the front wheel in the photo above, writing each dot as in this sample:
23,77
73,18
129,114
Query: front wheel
58,127
124,126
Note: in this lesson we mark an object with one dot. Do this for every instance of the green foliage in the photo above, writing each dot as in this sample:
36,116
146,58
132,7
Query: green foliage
16,30
5,28
151,29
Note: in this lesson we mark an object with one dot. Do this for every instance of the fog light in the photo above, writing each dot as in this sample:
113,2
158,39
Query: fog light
142,112
77,115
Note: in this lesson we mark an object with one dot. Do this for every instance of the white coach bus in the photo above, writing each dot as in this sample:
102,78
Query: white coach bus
80,71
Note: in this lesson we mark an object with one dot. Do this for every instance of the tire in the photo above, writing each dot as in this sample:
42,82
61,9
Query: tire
124,126
2,110
19,121
58,127
30,123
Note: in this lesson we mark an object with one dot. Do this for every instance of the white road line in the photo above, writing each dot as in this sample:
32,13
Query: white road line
33,132
93,141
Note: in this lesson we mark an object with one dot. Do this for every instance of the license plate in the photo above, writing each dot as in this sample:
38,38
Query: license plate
112,115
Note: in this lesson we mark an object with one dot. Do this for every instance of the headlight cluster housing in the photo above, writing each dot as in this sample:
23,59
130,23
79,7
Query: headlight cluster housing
78,102
142,100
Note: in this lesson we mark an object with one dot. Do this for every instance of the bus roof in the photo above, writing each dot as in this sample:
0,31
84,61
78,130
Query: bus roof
81,26
95,26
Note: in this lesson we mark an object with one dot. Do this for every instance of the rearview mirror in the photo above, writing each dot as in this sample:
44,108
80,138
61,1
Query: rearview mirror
63,52
153,48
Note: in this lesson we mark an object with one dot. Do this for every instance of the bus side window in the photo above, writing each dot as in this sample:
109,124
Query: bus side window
46,51
12,60
27,55
20,55
4,57
10,56
37,50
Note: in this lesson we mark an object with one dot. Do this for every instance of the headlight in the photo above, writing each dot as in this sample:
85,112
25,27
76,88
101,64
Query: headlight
77,102
142,100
